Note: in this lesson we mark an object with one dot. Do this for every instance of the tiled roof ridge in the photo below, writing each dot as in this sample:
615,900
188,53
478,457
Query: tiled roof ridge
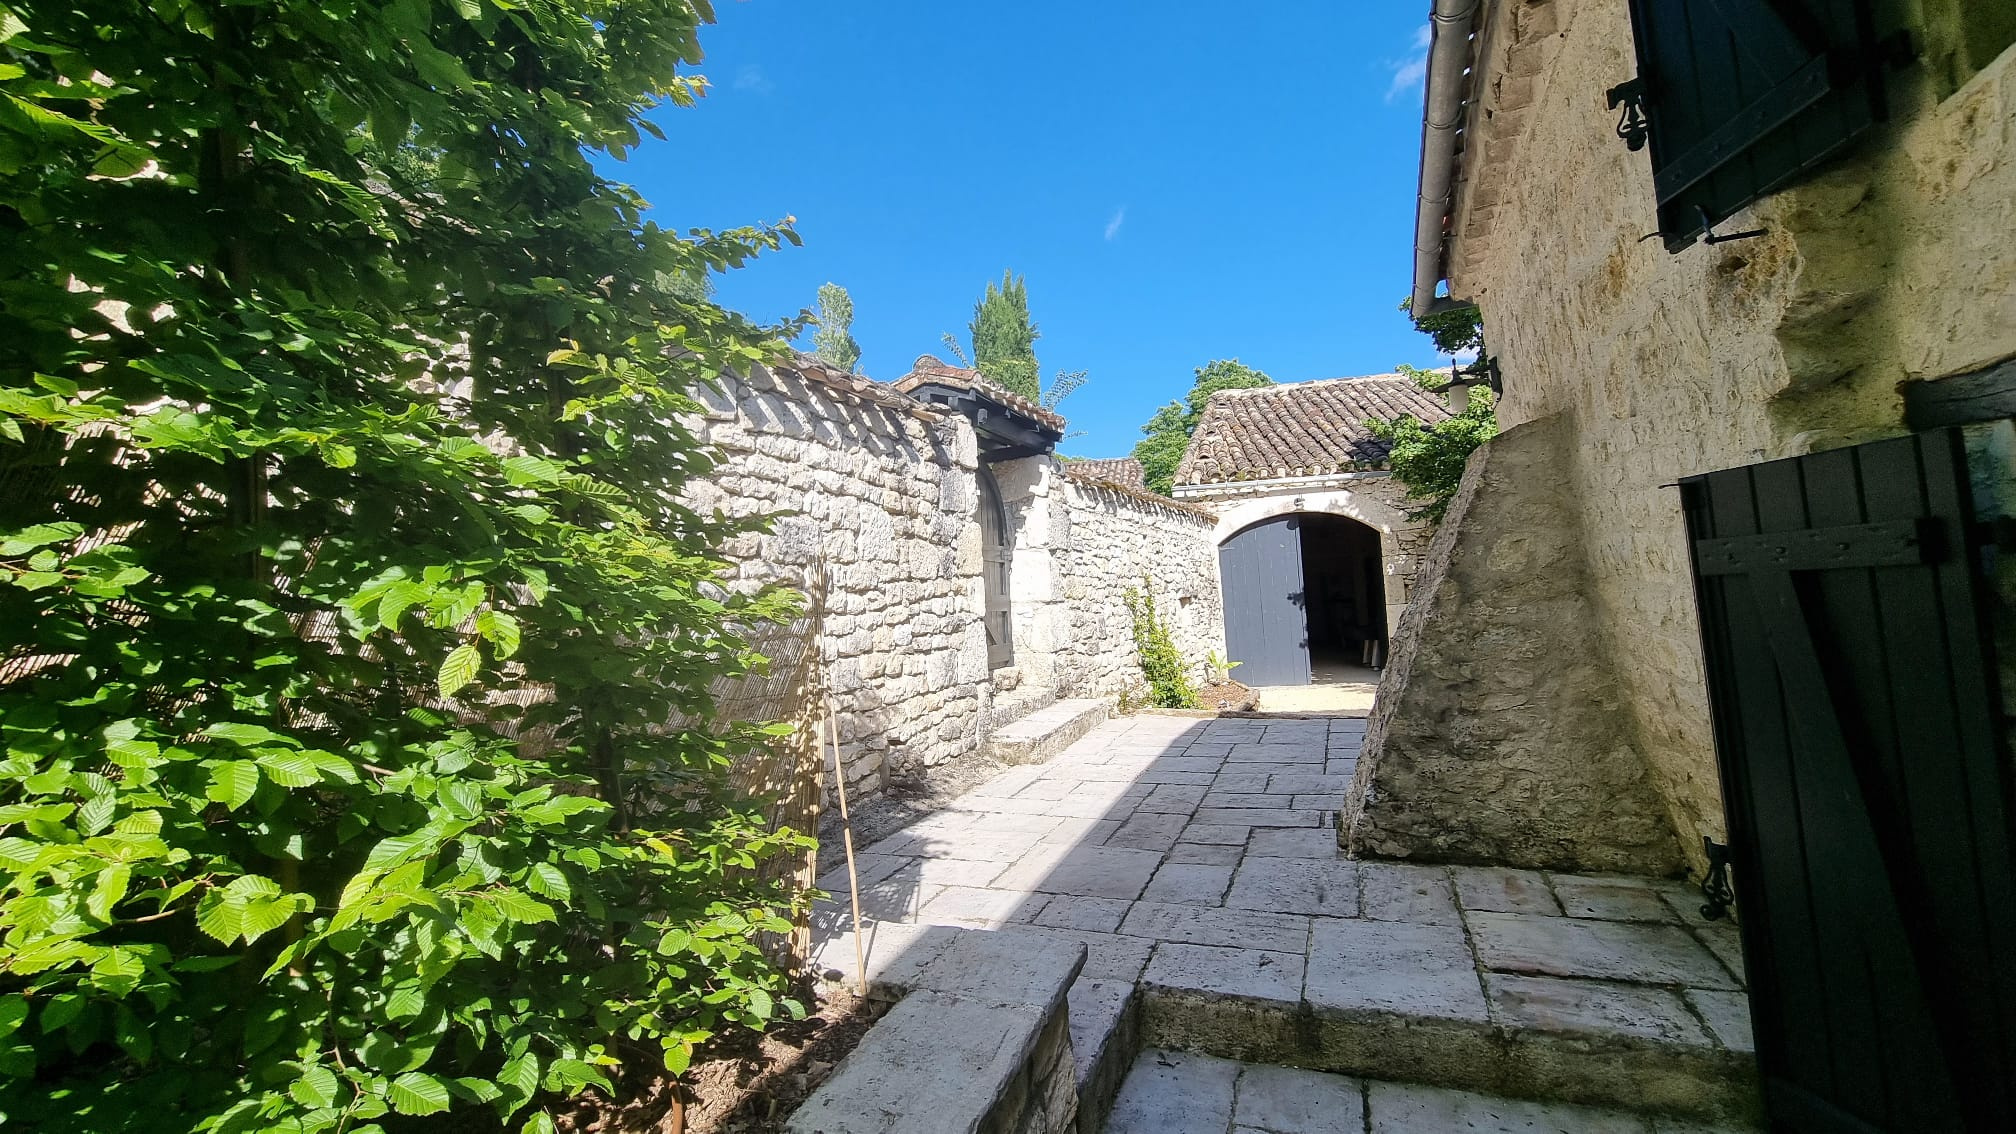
1279,387
1301,429
817,370
929,367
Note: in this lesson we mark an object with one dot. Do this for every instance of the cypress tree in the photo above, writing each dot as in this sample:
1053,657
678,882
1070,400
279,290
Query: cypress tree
1004,337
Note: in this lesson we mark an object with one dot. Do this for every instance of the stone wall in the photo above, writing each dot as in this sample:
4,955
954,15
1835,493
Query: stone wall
1894,265
1115,537
877,523
876,501
1499,735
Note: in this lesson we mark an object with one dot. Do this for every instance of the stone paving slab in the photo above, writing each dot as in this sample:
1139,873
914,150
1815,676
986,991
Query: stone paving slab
1287,1100
1177,1092
1600,950
1411,970
1327,887
1590,988
1253,974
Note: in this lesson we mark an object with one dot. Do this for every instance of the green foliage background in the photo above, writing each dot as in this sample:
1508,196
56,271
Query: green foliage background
1170,430
1004,338
348,611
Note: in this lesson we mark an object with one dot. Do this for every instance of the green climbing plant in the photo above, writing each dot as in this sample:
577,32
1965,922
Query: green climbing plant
1169,684
354,645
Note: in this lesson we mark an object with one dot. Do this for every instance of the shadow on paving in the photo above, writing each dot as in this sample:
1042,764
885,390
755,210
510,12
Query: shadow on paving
1195,861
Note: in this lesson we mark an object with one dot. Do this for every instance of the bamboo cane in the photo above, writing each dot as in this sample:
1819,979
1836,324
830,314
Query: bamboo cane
847,839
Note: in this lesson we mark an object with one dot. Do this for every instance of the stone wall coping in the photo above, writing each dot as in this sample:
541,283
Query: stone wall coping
858,387
1137,495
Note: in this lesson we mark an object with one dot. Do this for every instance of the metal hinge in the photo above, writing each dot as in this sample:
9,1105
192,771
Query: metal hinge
1632,125
1715,887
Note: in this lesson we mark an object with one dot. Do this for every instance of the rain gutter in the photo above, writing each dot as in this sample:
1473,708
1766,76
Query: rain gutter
1453,25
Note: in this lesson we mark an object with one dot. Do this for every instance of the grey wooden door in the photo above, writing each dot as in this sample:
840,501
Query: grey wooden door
1266,629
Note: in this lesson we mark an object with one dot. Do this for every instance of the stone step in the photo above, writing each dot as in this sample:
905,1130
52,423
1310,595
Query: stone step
1011,705
981,1040
1380,1017
1034,739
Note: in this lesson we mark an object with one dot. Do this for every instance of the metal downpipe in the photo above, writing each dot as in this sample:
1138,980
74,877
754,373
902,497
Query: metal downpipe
1453,24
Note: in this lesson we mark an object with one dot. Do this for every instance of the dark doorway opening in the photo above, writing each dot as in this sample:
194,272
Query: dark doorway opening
1344,585
1305,597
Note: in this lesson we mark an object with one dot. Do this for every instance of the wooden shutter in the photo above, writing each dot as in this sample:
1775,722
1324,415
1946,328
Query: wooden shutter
1744,96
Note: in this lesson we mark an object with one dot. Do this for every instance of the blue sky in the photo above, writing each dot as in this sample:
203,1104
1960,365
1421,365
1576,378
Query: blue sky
1178,182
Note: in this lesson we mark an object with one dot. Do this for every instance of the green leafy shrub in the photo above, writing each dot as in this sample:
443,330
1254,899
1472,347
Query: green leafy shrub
348,615
1169,684
1429,459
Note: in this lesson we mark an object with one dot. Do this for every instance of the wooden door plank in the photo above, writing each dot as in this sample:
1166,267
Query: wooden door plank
1980,756
1842,867
1780,941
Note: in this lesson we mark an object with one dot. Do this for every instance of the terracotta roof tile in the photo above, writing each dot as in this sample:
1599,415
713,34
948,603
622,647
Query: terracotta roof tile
932,369
1112,470
1300,429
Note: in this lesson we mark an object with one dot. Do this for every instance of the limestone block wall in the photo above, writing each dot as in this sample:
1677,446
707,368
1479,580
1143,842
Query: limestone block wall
1500,734
877,522
1894,265
1114,538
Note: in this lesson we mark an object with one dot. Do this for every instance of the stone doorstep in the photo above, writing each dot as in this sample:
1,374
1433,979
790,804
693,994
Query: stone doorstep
1043,734
979,1041
1403,1002
1628,1072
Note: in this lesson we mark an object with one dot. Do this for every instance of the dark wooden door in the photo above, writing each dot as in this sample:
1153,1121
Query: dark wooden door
1859,731
997,554
1266,629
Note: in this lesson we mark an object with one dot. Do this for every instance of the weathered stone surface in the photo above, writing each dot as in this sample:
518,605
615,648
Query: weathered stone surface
1095,872
1326,887
1396,892
1216,854
1551,1005
1727,1015
935,1064
1155,832
1559,946
1295,842
1499,735
1220,833
1014,967
1400,1108
1286,1100
1258,816
977,908
1184,883
1501,890
1414,970
1170,1092
1205,925
1610,898
1067,911
1252,974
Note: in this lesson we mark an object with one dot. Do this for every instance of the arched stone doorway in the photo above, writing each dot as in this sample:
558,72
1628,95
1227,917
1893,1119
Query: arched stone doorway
1304,597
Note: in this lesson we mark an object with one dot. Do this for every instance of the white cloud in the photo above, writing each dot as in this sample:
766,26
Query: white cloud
1113,226
1410,72
749,77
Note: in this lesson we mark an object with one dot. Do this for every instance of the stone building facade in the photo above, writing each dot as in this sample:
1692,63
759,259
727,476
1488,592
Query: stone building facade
1302,449
1626,367
876,502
